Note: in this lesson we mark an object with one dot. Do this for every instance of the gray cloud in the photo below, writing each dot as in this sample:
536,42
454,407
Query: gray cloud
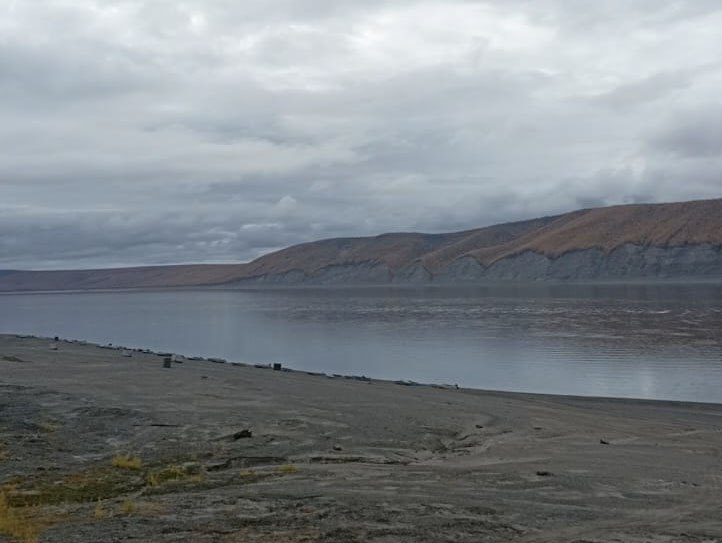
644,91
693,134
156,132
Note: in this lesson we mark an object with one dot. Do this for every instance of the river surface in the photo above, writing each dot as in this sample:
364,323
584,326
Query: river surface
657,341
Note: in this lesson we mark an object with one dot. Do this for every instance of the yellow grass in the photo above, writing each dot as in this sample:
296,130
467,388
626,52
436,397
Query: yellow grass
287,469
247,474
126,461
174,472
90,485
100,511
152,480
17,523
48,426
129,507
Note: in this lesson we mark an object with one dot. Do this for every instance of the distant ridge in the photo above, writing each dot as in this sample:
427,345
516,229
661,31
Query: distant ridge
675,240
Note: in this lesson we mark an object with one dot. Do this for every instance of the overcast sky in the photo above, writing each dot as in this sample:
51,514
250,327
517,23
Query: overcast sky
215,130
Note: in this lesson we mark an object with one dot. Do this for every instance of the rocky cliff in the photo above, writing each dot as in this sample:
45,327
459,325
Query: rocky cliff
660,241
645,241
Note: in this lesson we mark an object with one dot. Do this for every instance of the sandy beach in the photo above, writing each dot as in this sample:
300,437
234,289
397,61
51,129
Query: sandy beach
101,444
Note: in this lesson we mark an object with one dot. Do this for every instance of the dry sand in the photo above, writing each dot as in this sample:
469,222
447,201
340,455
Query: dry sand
335,459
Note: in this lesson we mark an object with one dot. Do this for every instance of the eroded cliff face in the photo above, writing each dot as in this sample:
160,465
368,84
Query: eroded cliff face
365,273
637,242
626,262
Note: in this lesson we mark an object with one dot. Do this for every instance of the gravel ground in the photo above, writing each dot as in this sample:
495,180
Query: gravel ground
99,446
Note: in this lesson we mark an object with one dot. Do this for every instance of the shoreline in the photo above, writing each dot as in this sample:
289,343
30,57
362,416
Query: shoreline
362,378
97,446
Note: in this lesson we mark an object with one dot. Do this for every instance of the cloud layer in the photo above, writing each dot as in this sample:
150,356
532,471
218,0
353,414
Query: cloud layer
213,130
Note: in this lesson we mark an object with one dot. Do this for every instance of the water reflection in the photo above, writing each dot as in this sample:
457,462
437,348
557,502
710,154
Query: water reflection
650,341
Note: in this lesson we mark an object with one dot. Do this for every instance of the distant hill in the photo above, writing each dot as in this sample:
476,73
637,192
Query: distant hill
141,277
677,240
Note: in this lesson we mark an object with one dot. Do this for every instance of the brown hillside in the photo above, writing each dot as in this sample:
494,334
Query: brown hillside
492,236
394,250
687,223
662,225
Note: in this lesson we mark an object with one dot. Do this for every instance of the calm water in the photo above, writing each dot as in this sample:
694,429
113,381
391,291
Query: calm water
645,341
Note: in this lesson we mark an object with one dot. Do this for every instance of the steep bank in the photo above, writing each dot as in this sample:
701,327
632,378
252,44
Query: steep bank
663,241
645,241
625,262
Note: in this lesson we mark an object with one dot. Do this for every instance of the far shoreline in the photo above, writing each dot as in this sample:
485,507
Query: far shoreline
250,285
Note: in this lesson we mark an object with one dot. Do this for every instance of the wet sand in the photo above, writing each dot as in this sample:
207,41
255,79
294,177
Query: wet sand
234,453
